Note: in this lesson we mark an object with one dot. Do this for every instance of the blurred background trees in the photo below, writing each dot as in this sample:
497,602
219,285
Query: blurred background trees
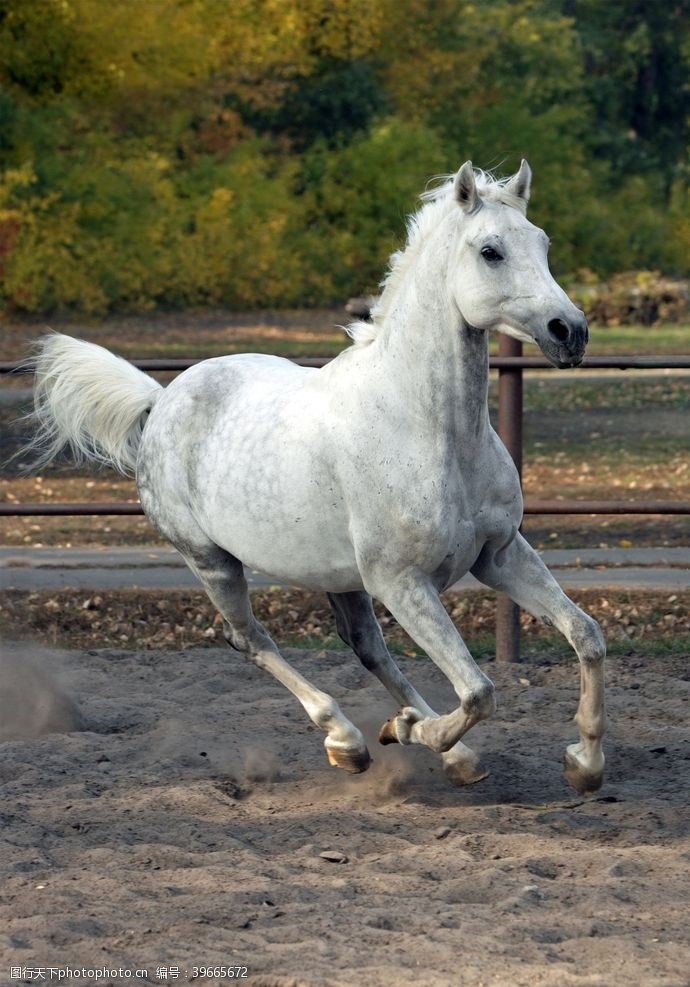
264,152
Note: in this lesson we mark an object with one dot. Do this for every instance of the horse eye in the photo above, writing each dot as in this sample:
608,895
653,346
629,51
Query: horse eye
488,253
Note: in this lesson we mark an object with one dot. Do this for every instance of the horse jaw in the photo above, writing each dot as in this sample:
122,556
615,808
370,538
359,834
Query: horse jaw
516,332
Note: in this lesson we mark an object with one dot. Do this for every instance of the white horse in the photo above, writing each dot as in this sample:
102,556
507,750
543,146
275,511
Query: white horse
376,476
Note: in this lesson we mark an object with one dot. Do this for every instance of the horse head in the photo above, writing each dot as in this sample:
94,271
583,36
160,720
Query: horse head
501,279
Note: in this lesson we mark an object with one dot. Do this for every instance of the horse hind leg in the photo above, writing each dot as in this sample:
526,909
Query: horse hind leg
223,578
358,627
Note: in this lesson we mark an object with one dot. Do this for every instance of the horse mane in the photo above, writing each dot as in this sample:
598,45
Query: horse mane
437,202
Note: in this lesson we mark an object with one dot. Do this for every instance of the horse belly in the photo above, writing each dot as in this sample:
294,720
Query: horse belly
309,551
276,506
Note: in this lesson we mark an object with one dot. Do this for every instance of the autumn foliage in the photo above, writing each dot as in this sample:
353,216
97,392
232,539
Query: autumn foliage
264,152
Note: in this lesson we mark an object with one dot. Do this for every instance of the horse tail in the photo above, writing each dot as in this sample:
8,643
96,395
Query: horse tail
89,400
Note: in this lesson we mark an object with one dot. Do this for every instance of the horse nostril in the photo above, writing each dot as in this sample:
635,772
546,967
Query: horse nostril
558,330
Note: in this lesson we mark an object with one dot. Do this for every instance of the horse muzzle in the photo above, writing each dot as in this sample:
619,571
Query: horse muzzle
563,342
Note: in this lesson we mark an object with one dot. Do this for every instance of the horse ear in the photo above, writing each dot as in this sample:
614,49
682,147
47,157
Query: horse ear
465,188
521,182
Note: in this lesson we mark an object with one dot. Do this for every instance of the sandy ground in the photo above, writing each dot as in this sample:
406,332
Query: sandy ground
177,813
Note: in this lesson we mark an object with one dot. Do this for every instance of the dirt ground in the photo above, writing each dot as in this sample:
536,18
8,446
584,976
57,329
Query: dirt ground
170,809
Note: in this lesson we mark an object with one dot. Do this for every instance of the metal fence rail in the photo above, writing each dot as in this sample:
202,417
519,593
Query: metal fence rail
504,361
130,507
510,363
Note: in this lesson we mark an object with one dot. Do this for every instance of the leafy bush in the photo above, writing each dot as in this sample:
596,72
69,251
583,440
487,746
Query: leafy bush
351,212
632,298
189,152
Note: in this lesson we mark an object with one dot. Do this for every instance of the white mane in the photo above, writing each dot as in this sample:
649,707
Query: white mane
437,203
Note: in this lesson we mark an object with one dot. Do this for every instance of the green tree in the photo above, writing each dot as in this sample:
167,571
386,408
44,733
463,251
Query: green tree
177,152
636,54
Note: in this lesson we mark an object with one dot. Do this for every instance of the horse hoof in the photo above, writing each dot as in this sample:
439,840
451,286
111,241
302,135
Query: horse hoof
584,781
387,734
465,772
353,761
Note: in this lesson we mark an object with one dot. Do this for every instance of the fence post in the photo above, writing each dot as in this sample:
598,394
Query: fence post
510,431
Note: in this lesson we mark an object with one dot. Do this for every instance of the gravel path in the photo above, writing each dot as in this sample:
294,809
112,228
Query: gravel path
31,569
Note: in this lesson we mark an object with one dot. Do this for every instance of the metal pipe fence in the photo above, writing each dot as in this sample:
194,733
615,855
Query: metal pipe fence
545,507
504,361
510,364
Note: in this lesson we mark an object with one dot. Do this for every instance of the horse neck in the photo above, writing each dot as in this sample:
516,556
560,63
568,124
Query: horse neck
440,365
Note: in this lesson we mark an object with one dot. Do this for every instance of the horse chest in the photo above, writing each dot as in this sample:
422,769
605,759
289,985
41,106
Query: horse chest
440,517
485,507
496,503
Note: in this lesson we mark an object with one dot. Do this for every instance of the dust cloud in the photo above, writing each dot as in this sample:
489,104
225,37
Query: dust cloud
33,699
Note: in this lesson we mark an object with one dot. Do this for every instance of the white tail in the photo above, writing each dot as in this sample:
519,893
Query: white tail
90,400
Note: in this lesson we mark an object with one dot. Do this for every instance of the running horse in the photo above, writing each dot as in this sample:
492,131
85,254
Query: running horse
378,475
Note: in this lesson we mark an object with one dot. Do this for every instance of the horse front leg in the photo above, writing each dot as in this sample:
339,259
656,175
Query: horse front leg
525,578
414,602
358,627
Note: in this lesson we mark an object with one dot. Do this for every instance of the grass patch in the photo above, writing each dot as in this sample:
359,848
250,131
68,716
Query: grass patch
639,340
582,394
663,340
602,450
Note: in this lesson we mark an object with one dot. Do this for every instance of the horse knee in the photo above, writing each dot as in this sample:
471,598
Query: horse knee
589,643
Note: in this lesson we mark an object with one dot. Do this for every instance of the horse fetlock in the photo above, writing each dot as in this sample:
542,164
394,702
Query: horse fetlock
480,702
592,726
234,638
325,713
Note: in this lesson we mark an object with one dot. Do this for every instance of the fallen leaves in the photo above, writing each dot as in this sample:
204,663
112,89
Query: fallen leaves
187,619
